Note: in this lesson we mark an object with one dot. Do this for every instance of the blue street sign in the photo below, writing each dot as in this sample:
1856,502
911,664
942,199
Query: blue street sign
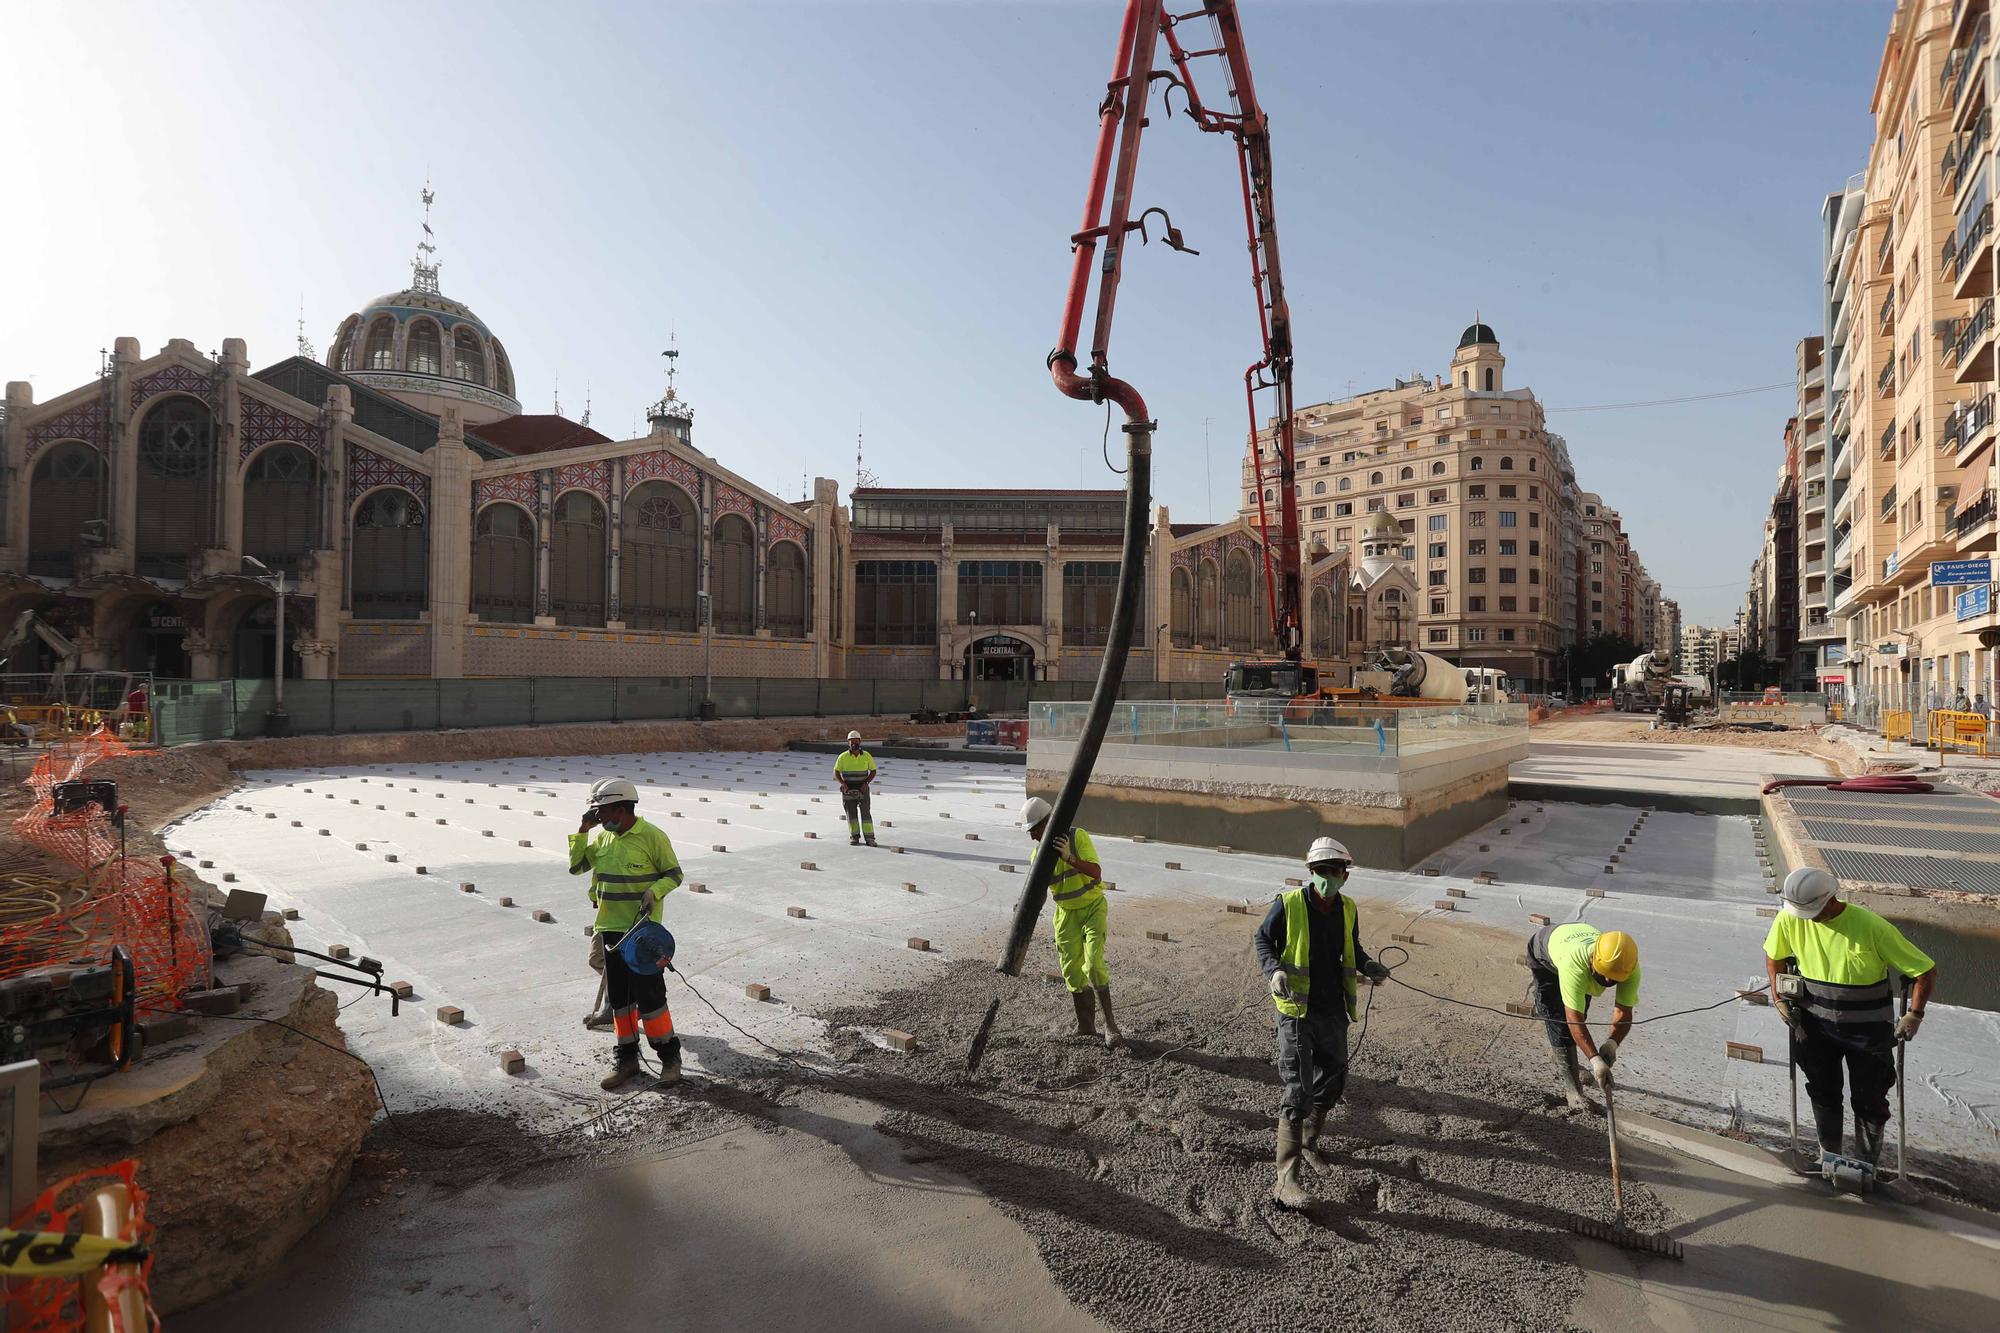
1945,573
1975,601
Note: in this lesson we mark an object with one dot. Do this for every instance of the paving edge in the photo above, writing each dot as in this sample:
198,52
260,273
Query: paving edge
1671,803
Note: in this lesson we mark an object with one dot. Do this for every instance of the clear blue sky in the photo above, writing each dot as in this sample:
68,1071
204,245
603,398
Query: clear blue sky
854,210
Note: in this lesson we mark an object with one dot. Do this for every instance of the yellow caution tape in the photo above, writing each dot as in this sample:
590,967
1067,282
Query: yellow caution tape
53,1254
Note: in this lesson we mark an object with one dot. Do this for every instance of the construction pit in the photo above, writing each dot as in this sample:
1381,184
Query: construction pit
811,1169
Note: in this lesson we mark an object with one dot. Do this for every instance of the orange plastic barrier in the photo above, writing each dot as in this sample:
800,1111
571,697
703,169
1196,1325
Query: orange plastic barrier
104,1299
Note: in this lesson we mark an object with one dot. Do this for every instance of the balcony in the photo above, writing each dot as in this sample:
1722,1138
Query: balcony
1948,75
1977,514
1886,446
1964,151
1970,270
1885,383
1885,249
1972,345
1816,376
1963,62
1888,508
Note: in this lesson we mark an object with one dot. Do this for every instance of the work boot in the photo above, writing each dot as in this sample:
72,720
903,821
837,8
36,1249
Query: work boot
1086,1020
1828,1121
625,1069
1868,1140
1309,1142
871,840
854,840
669,1052
1112,1036
1566,1078
1288,1191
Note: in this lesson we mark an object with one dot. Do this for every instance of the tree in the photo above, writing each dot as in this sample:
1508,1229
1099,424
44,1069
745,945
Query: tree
1594,658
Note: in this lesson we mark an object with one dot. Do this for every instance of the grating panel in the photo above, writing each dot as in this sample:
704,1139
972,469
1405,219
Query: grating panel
1915,809
1977,842
1920,871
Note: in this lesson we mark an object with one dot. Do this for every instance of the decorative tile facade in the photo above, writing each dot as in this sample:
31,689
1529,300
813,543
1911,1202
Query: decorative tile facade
264,424
367,469
785,529
729,500
659,465
84,423
592,477
174,379
517,487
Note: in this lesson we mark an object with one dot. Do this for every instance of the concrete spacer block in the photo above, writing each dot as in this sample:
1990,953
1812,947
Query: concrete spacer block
1505,832
542,914
270,814
450,1015
1485,877
717,847
1741,1050
1006,870
439,821
1156,934
1524,1010
512,1062
326,833
1539,918
291,914
466,886
300,823
901,1041
807,865
1446,905
1140,837
339,951
221,1000
1485,846
897,850
208,865
403,989
506,902
919,943
809,832
1767,911
1455,893
390,857
1403,939
722,821
1241,909
1614,858
887,823
1593,893
795,911
909,887
229,877
1430,872
757,991
1610,870
1052,976
525,842
1225,848
944,814
423,870
697,888
972,837
1173,865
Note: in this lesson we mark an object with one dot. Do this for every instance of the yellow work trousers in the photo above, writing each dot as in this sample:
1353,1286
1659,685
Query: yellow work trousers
1080,944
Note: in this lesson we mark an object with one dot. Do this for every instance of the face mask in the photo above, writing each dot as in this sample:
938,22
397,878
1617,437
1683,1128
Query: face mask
1328,884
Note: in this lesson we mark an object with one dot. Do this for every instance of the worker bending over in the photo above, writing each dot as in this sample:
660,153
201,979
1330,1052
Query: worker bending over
1569,966
1835,998
1082,920
1309,945
854,774
632,869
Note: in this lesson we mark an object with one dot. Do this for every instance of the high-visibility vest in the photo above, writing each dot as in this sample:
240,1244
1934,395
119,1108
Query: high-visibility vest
1296,958
623,867
852,767
1073,889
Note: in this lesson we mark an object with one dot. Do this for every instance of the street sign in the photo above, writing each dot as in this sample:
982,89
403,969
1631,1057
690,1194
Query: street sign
1975,601
1946,573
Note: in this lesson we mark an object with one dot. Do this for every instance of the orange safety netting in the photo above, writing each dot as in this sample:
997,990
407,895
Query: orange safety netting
64,1304
106,898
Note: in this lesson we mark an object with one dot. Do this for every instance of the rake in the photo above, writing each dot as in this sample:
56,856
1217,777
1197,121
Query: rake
1615,1232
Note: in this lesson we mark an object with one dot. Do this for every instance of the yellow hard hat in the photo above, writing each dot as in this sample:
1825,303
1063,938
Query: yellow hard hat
1615,956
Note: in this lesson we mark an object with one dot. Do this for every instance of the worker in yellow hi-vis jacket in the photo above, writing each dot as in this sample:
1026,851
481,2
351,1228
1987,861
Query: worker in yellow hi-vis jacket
632,869
1082,921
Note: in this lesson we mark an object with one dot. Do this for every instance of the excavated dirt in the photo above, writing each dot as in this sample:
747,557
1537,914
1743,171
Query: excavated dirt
1144,1174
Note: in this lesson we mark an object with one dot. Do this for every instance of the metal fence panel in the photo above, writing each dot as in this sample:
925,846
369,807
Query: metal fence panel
846,696
485,703
898,696
385,705
778,697
575,699
657,698
736,696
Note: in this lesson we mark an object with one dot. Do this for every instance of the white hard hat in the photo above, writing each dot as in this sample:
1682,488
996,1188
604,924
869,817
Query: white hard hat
1807,890
854,735
1328,849
1034,811
611,791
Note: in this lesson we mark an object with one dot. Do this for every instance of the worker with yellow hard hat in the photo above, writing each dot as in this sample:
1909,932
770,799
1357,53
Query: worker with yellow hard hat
1569,966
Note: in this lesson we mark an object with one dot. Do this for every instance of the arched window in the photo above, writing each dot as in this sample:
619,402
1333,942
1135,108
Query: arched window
1319,488
1267,497
503,565
735,566
424,354
1407,474
389,552
1489,379
1437,469
1531,464
1344,484
1374,479
578,550
1207,606
281,507
1478,463
503,373
659,558
343,344
1236,595
1322,623
65,494
379,352
1181,590
467,361
176,487
1506,465
785,572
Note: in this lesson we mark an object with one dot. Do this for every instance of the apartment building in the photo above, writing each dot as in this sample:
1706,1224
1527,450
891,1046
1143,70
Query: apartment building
1822,652
1914,282
1483,493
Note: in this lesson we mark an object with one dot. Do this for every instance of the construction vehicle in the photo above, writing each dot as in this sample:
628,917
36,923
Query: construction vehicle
1638,686
28,626
1424,676
1676,704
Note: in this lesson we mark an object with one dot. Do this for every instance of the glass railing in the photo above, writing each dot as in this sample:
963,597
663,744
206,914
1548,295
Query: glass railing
1288,726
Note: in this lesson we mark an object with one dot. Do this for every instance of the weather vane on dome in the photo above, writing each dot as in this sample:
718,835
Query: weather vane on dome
672,411
426,266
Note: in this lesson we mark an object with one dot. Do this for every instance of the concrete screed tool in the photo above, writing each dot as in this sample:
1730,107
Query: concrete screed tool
1845,1174
1615,1232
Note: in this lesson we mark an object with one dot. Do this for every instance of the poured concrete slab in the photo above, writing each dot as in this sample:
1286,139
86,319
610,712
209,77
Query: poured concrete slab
1714,779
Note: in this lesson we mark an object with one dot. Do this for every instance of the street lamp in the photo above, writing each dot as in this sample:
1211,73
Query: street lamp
1159,653
707,656
276,723
972,618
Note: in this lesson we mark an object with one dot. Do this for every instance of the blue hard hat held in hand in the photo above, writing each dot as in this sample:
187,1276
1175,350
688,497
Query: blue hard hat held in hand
648,949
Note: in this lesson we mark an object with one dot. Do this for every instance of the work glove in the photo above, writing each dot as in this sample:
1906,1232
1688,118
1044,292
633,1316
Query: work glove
646,904
1784,1008
1375,972
1600,1069
1062,845
1281,985
1907,1025
1607,1050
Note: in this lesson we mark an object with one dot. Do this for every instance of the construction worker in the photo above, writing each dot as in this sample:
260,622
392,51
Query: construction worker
1834,995
854,774
1309,946
1082,921
1569,965
632,869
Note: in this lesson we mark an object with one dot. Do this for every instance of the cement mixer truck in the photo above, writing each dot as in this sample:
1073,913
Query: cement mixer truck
1415,675
1640,684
